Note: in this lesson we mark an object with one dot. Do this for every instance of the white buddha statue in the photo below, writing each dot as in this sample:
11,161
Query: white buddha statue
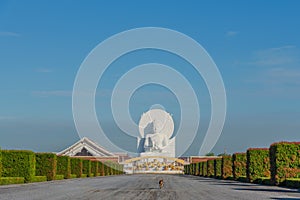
155,141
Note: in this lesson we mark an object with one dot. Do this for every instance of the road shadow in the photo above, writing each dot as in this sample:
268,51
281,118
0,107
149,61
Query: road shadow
233,184
267,190
279,198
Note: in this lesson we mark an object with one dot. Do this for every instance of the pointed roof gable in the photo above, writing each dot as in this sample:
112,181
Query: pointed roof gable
92,147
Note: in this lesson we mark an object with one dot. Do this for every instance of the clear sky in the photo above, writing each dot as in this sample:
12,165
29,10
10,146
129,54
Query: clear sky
255,44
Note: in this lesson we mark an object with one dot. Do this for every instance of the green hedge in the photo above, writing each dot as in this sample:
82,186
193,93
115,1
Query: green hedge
239,161
120,168
46,165
11,180
197,169
285,161
101,169
59,177
204,168
17,163
86,167
194,168
210,168
39,179
191,169
0,163
258,163
112,168
94,168
83,175
73,176
218,167
188,169
108,170
63,166
200,168
227,167
76,166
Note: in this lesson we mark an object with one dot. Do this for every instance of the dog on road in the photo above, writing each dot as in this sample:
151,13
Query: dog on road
161,183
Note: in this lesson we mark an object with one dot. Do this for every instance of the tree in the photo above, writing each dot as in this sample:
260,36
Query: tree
210,154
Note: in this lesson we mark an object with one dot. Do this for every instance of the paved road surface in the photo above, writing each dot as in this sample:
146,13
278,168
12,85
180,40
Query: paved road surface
145,187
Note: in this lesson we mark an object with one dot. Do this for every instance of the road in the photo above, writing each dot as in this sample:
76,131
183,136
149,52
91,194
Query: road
145,187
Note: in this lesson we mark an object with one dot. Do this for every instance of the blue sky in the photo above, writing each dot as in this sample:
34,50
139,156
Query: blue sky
255,45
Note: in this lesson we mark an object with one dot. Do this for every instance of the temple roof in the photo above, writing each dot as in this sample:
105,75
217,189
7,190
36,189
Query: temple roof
87,145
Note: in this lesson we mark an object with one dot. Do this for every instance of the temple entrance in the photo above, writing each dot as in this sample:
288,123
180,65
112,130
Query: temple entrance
154,164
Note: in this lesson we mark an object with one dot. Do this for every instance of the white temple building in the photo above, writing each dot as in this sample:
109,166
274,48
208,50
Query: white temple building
89,149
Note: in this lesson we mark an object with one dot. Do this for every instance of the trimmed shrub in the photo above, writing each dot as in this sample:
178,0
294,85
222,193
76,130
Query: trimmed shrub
106,170
239,161
17,163
188,170
39,179
76,166
218,167
258,163
11,180
210,168
112,168
86,167
101,169
197,169
83,175
200,168
94,168
73,176
46,165
285,161
204,168
63,166
120,168
226,167
59,177
191,169
0,163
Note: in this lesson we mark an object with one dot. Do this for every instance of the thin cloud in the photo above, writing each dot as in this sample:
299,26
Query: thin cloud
231,33
9,34
284,76
51,93
278,56
277,70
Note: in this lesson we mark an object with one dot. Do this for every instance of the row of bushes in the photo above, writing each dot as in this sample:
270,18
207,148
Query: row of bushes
26,166
277,165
